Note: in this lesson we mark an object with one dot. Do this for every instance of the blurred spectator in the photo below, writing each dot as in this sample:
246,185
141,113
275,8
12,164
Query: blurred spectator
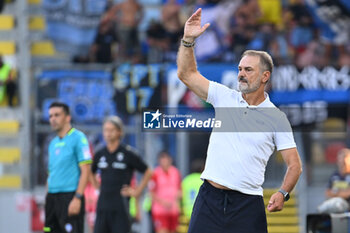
271,12
339,182
102,50
310,57
279,49
345,59
262,38
165,188
36,219
126,17
91,196
267,38
243,26
301,26
333,20
190,186
301,30
250,12
157,43
172,22
8,85
212,45
116,163
106,38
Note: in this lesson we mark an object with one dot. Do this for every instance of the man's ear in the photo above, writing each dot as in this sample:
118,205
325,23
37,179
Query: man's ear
266,76
68,118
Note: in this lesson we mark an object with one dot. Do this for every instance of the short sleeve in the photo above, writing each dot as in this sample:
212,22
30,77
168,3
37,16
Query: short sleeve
218,92
83,150
94,162
136,162
284,138
152,184
213,92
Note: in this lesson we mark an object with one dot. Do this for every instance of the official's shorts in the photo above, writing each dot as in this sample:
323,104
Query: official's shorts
56,214
165,221
227,211
112,222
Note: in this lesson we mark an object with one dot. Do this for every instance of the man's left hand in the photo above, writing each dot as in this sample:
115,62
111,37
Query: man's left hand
276,202
128,191
74,206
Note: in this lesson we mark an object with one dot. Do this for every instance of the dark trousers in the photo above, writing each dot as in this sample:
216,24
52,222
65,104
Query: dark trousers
227,211
11,88
112,221
56,214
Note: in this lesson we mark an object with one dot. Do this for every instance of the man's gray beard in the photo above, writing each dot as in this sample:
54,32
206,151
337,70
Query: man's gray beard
248,90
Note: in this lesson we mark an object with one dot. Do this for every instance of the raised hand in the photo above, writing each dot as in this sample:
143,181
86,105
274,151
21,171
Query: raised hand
193,27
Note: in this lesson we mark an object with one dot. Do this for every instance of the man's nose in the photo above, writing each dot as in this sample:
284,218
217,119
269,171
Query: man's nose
241,73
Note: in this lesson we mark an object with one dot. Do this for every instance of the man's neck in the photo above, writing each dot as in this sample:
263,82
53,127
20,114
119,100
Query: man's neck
113,146
254,98
63,132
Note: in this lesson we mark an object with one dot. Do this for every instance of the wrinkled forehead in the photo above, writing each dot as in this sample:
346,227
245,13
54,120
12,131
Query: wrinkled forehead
249,61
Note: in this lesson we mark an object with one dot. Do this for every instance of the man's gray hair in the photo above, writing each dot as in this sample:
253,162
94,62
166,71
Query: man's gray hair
266,63
116,121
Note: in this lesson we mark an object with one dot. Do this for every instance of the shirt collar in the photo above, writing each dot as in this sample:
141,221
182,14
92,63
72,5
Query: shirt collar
265,103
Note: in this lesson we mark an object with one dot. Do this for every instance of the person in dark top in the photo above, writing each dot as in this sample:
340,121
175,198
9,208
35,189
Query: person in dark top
102,48
339,182
116,163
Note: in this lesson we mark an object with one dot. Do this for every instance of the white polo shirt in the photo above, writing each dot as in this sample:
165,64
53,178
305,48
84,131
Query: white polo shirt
237,159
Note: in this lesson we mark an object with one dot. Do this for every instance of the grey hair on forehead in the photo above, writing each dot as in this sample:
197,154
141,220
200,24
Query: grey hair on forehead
116,121
266,62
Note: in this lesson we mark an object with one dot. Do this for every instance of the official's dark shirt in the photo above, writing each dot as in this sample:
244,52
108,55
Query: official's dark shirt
116,170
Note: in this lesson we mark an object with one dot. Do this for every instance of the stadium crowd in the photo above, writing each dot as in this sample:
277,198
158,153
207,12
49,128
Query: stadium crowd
293,32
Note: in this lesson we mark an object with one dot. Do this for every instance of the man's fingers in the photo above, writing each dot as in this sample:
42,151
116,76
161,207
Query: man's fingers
271,201
205,26
202,30
271,207
195,14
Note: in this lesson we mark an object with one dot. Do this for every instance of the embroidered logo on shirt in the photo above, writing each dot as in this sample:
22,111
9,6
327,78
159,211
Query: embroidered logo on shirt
102,163
120,156
118,165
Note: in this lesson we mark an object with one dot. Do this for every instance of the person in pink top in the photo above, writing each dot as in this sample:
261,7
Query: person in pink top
165,189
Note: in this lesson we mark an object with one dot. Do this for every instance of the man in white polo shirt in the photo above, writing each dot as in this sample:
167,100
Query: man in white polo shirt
230,199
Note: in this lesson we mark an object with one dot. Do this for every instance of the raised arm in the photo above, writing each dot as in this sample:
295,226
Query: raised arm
186,61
